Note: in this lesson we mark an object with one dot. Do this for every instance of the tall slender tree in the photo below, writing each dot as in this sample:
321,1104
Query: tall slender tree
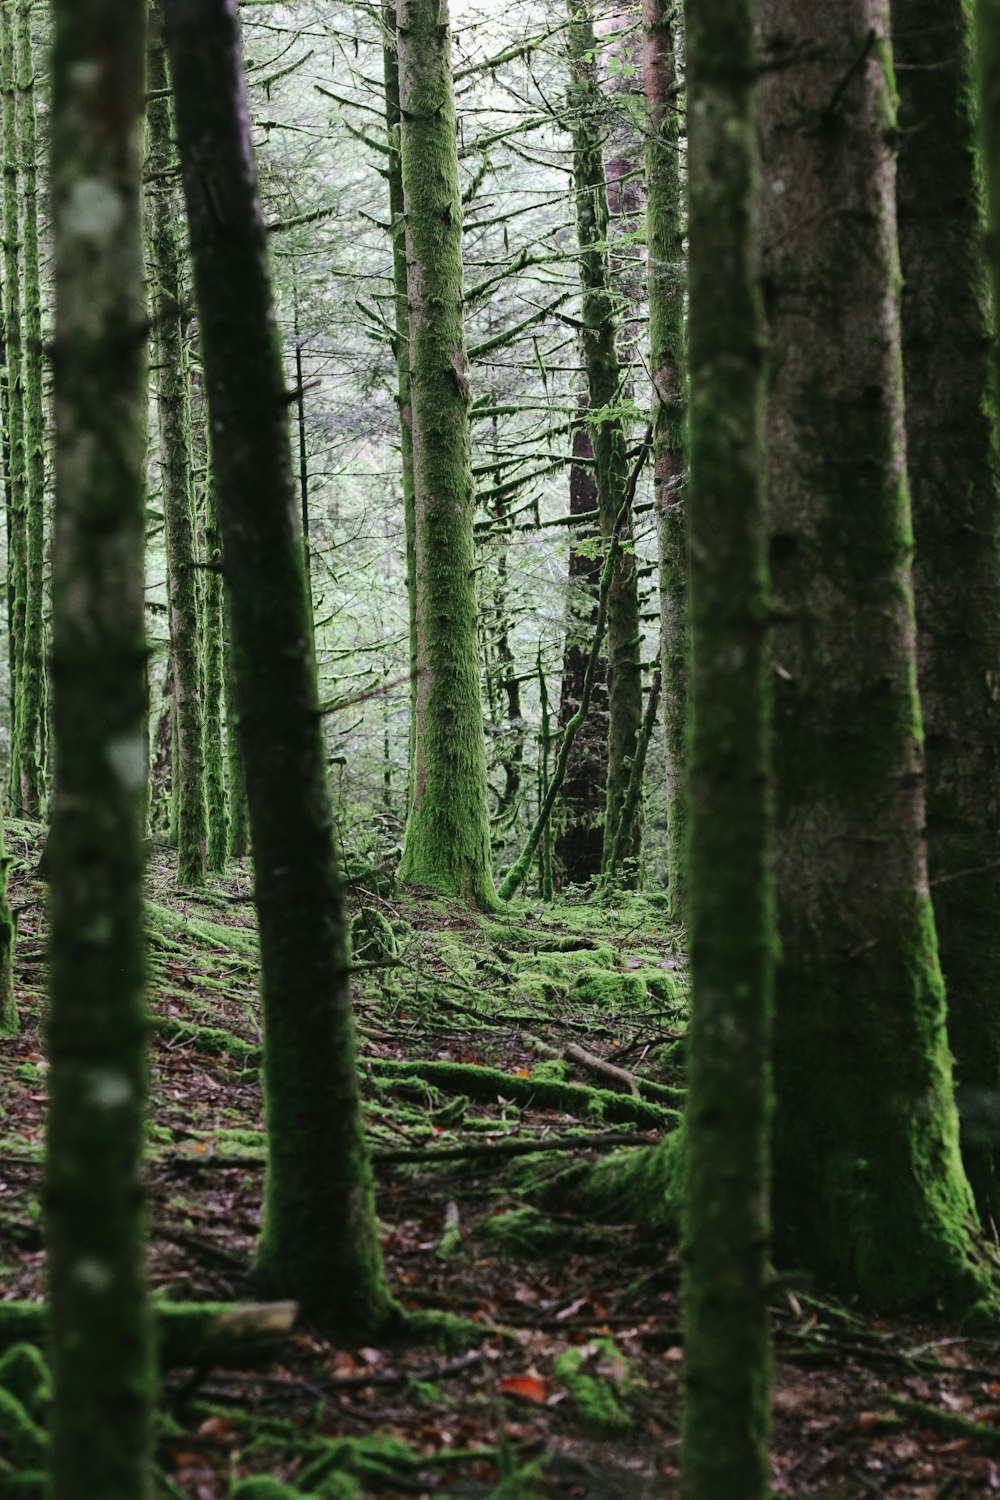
17,545
447,846
665,248
174,416
30,684
319,1237
726,1365
869,1188
401,354
605,380
100,1337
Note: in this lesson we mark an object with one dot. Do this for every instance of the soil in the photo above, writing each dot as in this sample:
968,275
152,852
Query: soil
862,1407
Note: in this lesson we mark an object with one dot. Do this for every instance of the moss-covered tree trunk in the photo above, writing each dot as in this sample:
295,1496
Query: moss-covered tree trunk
869,1189
579,835
30,727
731,916
666,274
17,555
605,382
236,782
447,846
319,1237
173,412
217,845
100,1336
401,353
953,473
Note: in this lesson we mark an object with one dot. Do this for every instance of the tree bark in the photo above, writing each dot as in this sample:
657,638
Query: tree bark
31,686
100,1330
447,846
319,1236
730,908
666,276
605,380
953,473
869,1187
173,409
17,560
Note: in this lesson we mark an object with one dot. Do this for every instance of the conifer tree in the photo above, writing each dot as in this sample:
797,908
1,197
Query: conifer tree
731,915
665,248
447,845
319,1237
29,733
869,1189
100,1335
605,380
17,553
953,474
173,410
401,354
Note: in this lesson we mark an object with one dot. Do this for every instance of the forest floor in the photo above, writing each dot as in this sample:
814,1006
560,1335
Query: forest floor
569,1381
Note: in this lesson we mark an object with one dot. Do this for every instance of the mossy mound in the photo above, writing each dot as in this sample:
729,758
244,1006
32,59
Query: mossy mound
20,1436
609,991
597,1376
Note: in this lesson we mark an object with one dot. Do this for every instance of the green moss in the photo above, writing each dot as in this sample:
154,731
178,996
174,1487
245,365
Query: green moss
553,1069
24,1374
263,1487
609,992
23,1438
597,1377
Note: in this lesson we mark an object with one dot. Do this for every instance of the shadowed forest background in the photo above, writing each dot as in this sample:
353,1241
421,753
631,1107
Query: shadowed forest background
499,877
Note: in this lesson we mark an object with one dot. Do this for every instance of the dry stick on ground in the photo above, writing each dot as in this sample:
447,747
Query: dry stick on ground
522,864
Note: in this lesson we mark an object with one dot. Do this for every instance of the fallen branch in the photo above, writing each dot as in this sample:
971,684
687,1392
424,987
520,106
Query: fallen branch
188,1333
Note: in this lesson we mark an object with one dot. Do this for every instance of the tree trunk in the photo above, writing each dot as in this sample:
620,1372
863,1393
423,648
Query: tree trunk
953,469
172,395
726,1357
101,1338
401,353
447,843
869,1187
217,846
579,838
605,380
17,560
319,1237
665,242
31,667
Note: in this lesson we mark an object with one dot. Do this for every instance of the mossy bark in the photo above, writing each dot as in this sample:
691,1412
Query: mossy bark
727,1364
666,277
401,353
31,686
605,380
9,1021
953,473
447,846
579,835
217,844
869,1187
172,401
236,782
319,1237
17,557
100,1329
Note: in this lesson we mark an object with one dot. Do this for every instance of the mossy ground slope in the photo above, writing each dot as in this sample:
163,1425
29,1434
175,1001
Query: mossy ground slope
485,1046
